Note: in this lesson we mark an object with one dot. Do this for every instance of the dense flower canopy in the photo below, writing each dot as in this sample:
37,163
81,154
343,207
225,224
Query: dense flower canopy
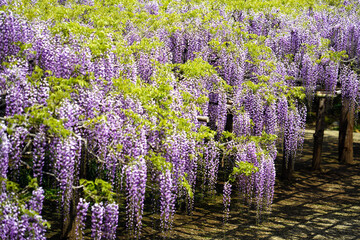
122,101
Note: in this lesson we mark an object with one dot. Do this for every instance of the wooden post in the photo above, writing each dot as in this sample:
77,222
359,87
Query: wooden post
213,105
2,105
346,132
229,122
319,134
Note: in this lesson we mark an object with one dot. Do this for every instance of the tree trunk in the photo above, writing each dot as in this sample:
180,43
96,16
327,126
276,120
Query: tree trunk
319,134
346,132
68,227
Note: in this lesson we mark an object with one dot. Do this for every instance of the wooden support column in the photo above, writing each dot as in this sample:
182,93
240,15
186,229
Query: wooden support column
346,129
213,105
319,134
2,105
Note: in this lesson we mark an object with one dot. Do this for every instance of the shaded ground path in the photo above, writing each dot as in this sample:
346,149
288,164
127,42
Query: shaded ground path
314,206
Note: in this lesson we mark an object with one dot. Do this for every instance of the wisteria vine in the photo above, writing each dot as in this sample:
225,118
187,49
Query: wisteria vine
110,103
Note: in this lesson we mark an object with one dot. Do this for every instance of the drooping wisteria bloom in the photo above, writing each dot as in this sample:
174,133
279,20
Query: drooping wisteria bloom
349,85
65,158
81,209
115,89
36,201
135,186
4,152
16,222
167,200
110,221
39,145
97,220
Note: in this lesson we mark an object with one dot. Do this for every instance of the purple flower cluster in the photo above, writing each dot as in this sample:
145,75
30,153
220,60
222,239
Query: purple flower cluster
254,106
118,129
65,150
242,124
9,220
110,221
15,220
270,119
167,200
282,112
4,152
20,93
152,7
294,131
211,159
12,30
17,140
39,145
331,76
81,209
222,113
36,201
104,219
135,188
257,188
349,85
97,220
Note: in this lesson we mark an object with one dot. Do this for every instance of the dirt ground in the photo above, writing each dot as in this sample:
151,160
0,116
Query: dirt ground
313,206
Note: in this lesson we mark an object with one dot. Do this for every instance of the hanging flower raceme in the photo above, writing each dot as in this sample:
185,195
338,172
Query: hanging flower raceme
39,145
4,152
331,76
110,221
254,106
20,93
135,174
9,219
270,119
294,131
217,111
167,200
65,150
212,160
349,85
17,140
13,30
21,220
241,124
36,202
309,74
282,112
257,188
81,209
97,221
36,228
